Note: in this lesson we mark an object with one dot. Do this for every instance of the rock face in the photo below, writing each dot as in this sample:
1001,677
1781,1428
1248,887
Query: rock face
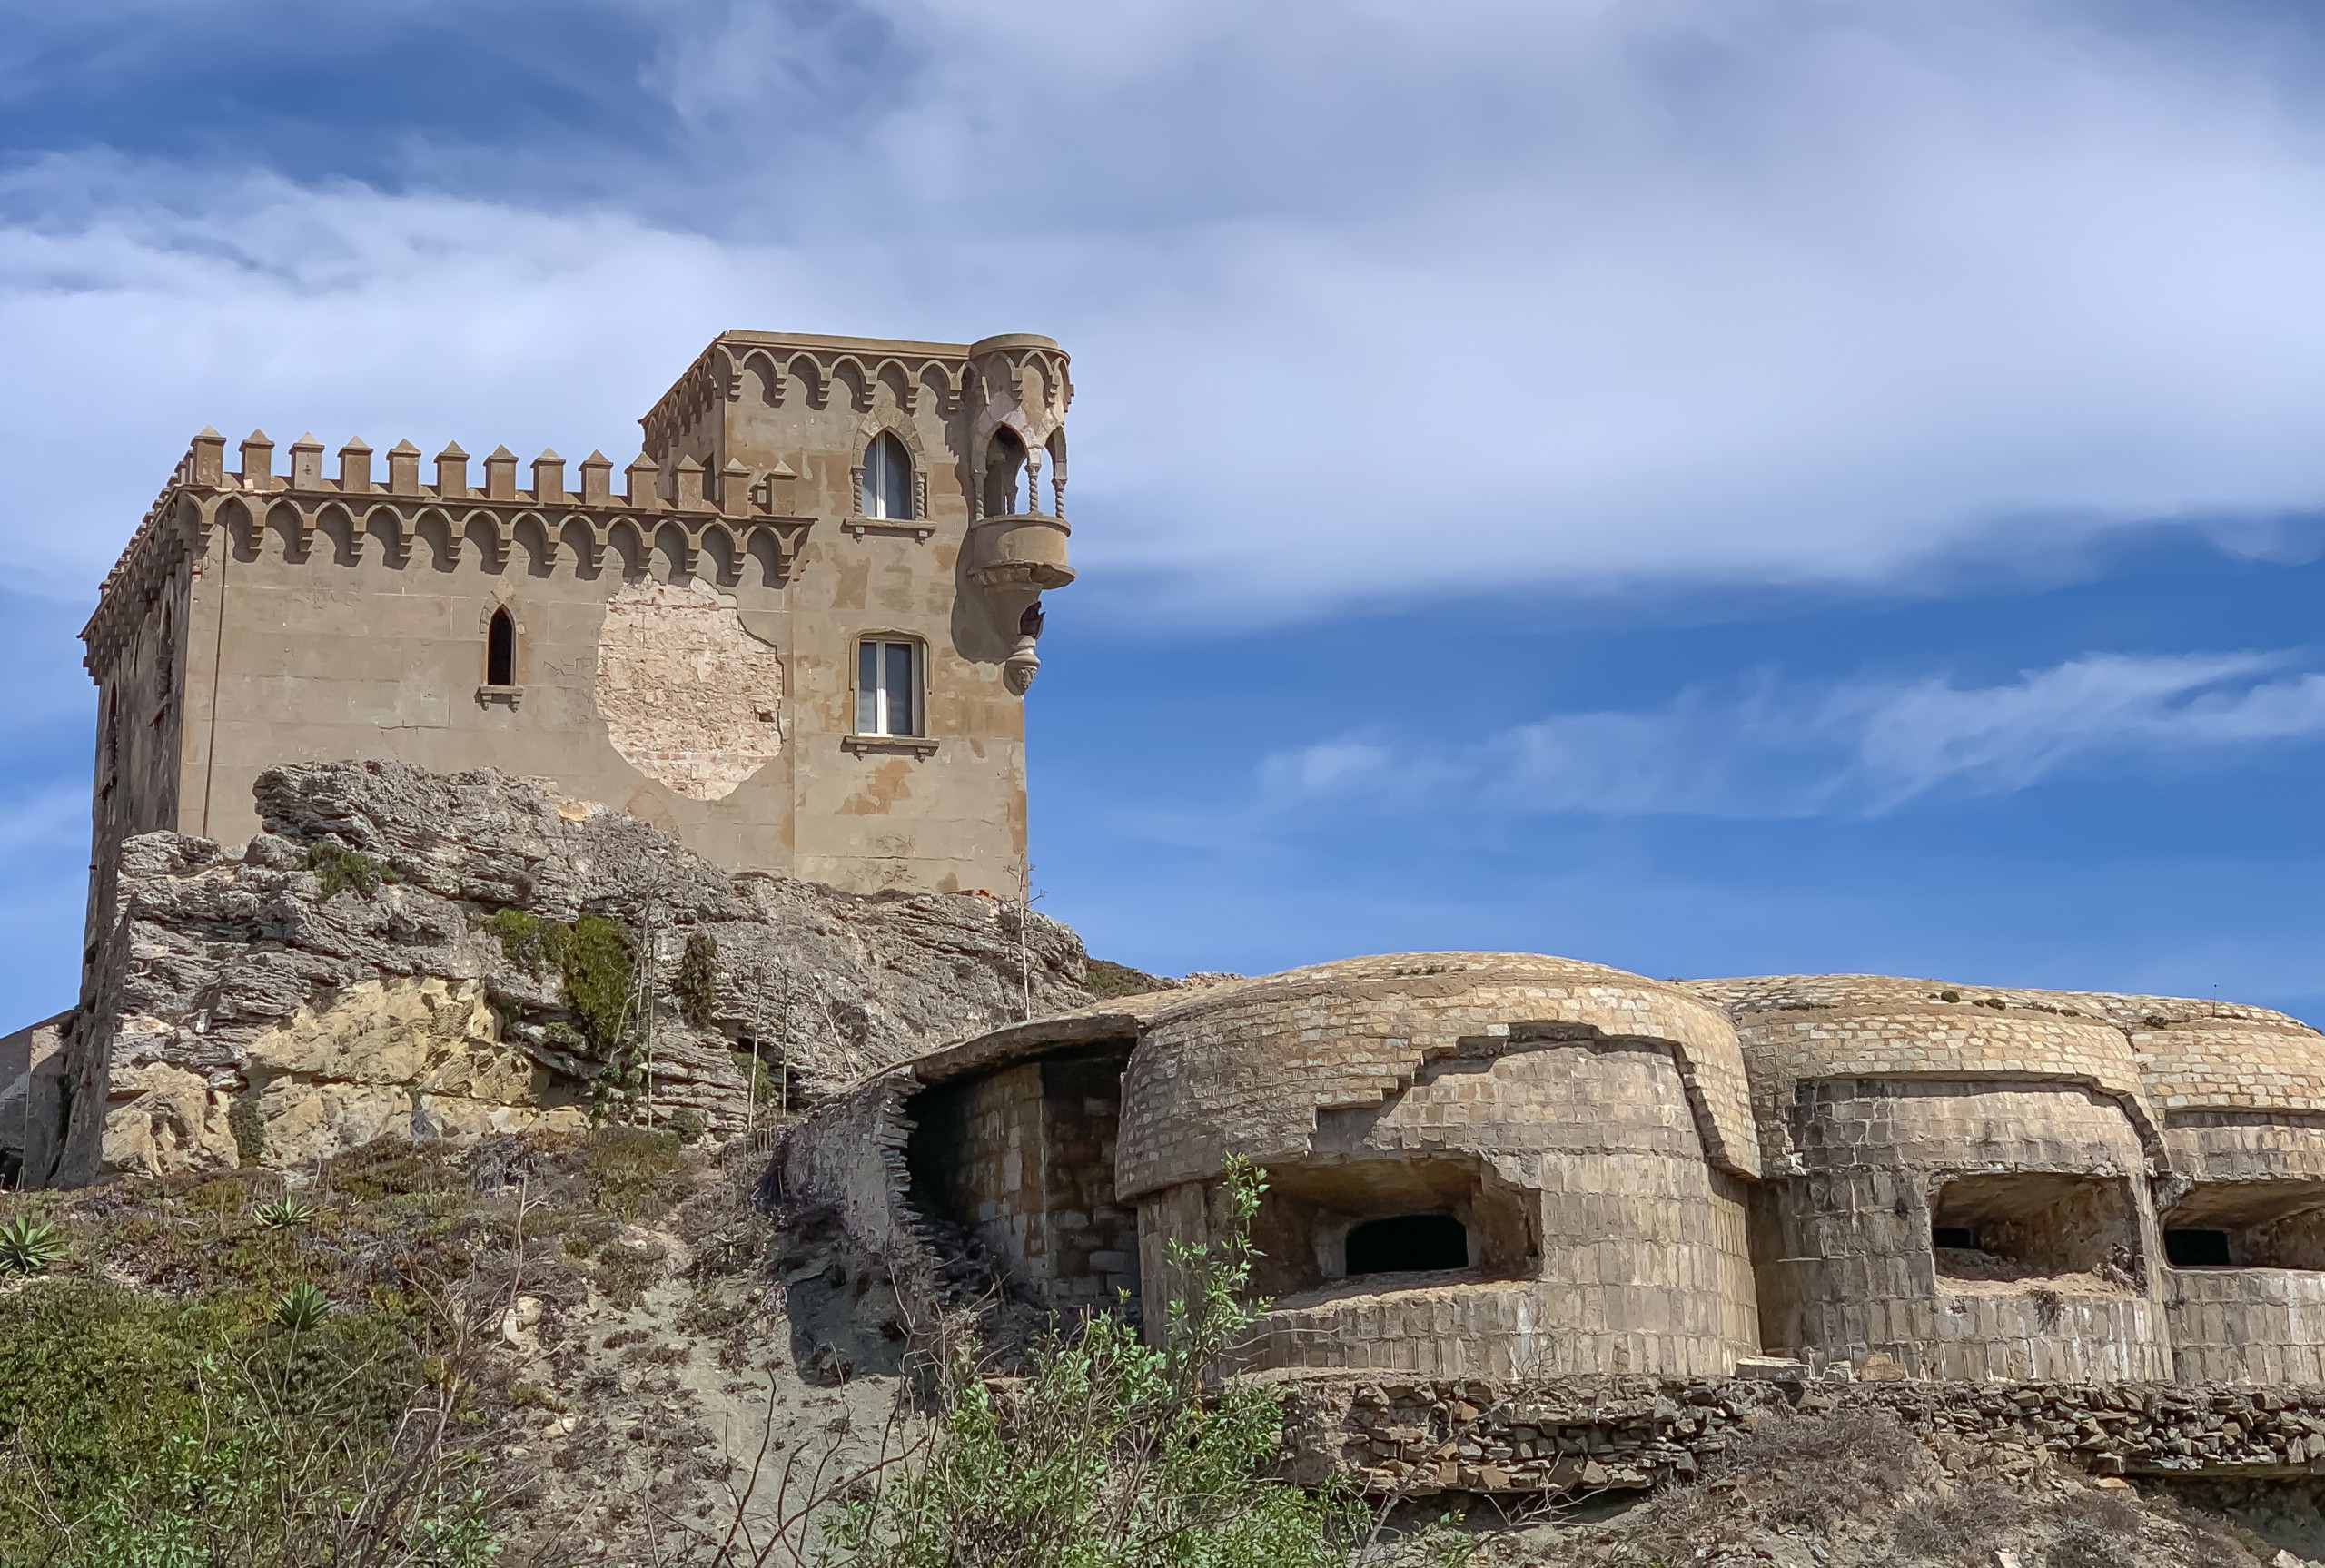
239,1014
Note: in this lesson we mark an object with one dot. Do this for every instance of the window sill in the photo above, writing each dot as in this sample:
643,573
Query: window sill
911,745
917,531
505,696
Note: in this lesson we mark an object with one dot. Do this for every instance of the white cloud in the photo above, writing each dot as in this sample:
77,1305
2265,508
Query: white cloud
250,301
1859,748
1367,301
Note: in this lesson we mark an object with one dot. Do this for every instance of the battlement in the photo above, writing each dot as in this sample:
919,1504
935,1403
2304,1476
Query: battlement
1021,369
727,516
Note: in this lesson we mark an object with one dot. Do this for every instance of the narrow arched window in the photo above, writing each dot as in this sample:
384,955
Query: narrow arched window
165,661
1004,459
887,479
500,650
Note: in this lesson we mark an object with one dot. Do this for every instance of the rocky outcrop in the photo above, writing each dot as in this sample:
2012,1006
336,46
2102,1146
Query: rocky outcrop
242,1013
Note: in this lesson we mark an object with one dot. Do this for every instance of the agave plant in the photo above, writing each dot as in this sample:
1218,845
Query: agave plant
29,1245
286,1214
300,1308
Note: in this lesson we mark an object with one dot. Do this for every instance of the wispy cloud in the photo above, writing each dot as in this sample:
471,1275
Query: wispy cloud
1367,301
1855,748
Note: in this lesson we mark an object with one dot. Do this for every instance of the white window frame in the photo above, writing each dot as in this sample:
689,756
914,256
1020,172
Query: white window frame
872,715
877,504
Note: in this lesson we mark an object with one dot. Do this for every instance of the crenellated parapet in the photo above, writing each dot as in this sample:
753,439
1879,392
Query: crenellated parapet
724,521
1018,380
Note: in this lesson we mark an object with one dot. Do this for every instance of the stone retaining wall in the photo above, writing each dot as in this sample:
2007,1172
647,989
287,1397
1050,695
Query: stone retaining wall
1583,1435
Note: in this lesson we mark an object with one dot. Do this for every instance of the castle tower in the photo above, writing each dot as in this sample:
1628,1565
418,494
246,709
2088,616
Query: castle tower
797,635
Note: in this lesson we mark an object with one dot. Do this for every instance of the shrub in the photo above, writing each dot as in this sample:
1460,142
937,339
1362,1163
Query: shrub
696,988
1111,1454
1103,978
248,1129
141,1433
633,1174
343,870
754,1073
595,958
29,1245
685,1124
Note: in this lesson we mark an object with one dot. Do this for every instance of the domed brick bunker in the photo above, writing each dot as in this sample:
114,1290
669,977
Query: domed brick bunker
1509,1165
2241,1094
1960,1185
1478,1163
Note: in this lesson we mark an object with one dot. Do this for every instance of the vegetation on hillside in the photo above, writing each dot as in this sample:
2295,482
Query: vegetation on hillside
1109,1453
213,1374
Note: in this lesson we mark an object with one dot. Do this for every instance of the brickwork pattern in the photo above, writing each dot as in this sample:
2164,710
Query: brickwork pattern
1247,1068
2246,1146
2257,1326
1796,1029
994,1182
1848,1269
1611,1109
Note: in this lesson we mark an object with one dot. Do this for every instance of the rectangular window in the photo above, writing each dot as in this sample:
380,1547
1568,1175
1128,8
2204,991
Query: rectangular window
887,687
2252,1224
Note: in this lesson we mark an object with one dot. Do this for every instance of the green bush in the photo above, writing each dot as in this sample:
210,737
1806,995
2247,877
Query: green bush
598,958
696,988
343,870
162,1434
1103,978
752,1070
248,1129
300,1309
596,961
1112,1453
635,1175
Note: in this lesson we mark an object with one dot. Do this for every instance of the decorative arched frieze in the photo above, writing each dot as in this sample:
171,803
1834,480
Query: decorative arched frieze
538,545
805,367
674,554
585,540
626,540
294,528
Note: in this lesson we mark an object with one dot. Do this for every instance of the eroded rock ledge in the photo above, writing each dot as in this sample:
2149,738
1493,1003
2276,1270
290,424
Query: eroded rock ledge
238,1014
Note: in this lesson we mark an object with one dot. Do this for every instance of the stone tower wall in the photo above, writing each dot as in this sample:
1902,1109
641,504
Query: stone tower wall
685,631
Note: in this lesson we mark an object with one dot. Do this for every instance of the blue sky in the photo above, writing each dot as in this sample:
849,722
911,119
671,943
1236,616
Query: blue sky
1709,486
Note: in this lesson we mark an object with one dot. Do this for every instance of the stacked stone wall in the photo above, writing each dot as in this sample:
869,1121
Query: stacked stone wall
1422,1437
1023,1160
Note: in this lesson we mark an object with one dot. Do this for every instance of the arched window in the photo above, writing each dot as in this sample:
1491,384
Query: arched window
166,660
888,700
887,479
500,650
1004,459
